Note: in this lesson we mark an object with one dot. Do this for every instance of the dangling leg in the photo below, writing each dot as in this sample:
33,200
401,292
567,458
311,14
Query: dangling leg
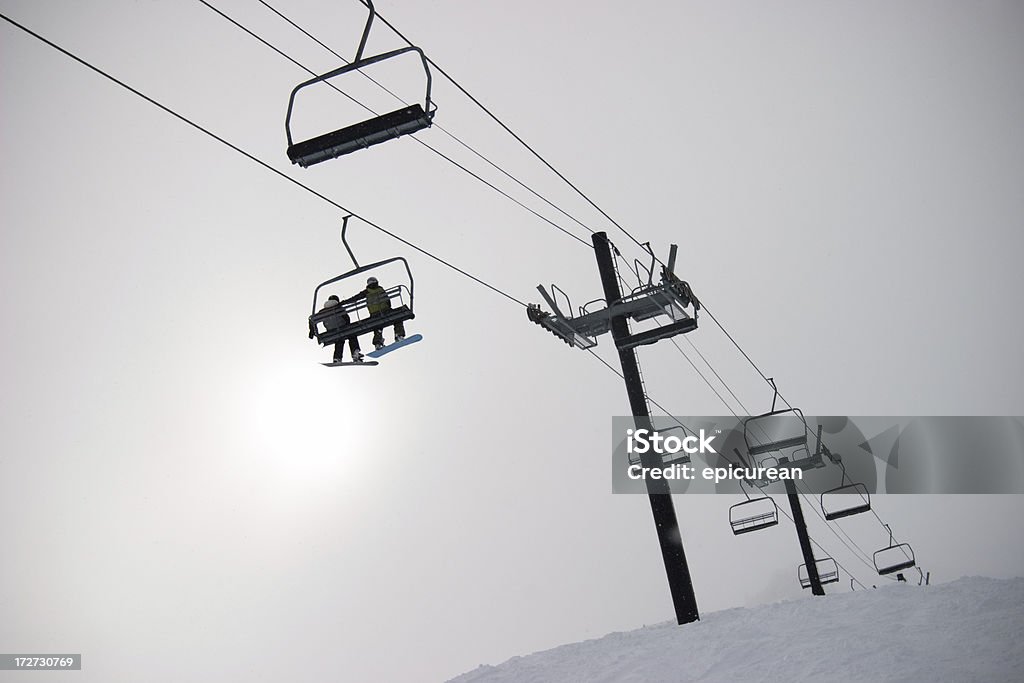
353,346
339,351
399,331
378,338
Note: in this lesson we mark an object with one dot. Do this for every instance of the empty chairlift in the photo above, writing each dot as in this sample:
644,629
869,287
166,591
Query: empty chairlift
753,514
381,128
778,435
894,557
845,500
828,572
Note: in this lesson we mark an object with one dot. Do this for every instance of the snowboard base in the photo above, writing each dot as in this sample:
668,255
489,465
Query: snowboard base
349,362
396,345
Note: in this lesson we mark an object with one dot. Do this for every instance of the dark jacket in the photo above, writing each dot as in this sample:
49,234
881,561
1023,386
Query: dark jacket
332,322
377,300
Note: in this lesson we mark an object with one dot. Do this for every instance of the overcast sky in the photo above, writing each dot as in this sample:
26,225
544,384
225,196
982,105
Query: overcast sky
186,494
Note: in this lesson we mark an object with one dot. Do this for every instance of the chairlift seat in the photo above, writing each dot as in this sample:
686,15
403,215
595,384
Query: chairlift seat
828,572
361,327
360,135
835,506
753,515
894,558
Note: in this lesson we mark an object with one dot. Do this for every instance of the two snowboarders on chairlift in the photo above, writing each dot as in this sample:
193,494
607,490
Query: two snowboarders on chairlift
377,303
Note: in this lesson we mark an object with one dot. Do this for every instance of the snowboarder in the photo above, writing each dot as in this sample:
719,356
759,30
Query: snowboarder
336,322
377,304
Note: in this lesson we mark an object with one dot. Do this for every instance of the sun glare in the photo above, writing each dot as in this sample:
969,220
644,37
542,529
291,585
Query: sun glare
300,424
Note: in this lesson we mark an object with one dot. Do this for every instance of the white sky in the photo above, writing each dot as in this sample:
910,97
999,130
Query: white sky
186,492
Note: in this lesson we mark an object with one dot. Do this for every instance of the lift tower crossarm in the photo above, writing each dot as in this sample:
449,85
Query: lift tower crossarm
670,298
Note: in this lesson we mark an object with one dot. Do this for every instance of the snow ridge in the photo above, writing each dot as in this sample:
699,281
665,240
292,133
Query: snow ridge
969,630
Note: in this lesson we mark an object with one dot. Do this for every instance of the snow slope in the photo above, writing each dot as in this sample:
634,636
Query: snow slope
969,630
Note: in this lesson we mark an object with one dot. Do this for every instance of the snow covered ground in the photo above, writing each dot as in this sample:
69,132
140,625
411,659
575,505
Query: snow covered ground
969,630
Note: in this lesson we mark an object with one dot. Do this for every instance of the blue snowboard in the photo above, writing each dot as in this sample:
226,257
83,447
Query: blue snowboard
397,345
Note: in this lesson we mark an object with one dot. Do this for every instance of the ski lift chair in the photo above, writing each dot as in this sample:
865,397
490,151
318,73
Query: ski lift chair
324,324
894,558
381,128
753,514
401,297
783,432
844,501
828,572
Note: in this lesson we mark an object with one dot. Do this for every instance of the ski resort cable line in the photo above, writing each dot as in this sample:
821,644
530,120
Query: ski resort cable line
435,150
439,127
260,162
257,160
268,167
518,139
373,131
